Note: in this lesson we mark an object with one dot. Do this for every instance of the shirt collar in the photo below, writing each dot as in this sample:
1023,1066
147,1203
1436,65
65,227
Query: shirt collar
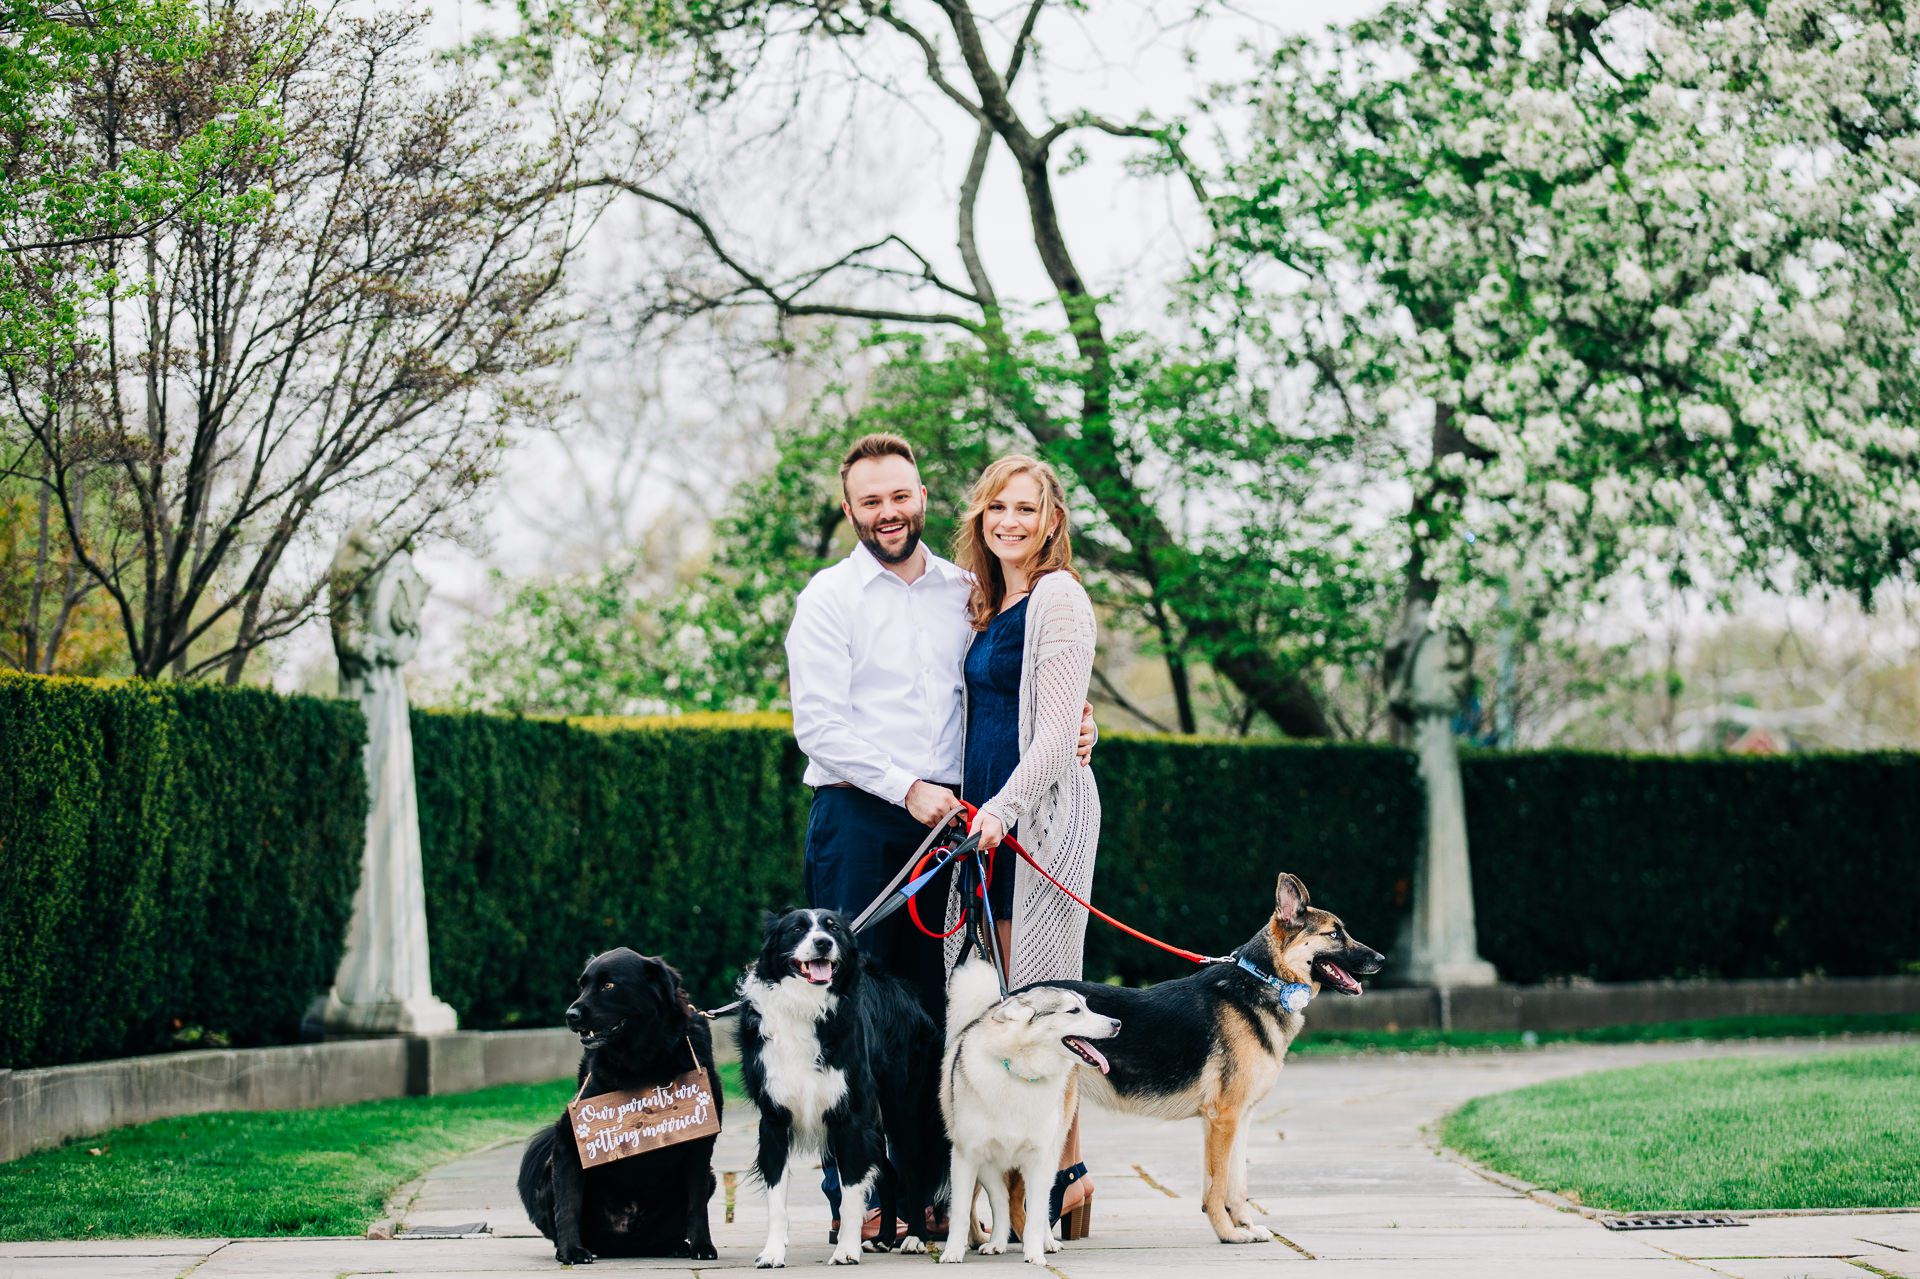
868,568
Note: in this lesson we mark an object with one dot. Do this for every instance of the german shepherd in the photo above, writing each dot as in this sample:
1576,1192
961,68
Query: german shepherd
1210,1044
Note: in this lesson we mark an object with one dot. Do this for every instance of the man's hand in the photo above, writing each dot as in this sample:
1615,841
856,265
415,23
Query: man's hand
1089,733
990,829
929,803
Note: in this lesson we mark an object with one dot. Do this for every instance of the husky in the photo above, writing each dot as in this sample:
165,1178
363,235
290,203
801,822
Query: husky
1007,1095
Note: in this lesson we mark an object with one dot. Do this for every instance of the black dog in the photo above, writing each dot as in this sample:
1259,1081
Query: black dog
634,1020
840,1055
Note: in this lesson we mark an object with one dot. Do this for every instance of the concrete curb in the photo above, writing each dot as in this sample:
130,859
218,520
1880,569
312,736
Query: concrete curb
1538,1194
40,1108
398,1209
1560,1203
45,1107
1523,1008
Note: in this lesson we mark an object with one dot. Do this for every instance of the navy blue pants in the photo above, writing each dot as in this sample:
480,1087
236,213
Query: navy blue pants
855,843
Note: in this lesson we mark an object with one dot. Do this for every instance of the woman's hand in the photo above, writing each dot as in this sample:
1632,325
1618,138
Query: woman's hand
989,828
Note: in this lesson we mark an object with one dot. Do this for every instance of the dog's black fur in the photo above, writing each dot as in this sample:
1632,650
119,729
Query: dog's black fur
877,1034
1175,1028
635,1022
1211,1043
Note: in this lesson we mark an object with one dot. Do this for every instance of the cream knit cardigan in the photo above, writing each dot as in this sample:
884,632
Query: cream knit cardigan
1050,796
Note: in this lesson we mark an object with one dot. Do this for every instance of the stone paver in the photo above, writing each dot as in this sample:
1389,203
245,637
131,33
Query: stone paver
1340,1169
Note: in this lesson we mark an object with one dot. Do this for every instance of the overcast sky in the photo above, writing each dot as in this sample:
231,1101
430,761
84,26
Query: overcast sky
870,149
662,430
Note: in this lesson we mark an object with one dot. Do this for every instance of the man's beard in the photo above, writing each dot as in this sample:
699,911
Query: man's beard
916,523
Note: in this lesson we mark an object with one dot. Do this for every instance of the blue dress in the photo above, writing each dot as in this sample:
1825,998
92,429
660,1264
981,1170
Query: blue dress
993,728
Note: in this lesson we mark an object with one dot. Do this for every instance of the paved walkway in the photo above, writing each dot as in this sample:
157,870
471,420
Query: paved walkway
1339,1166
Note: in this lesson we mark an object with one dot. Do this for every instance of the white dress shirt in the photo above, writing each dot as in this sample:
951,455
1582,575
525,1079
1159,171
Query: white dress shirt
876,667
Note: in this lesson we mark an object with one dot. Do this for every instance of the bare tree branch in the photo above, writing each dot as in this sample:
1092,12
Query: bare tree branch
785,302
1164,135
935,74
352,350
1112,692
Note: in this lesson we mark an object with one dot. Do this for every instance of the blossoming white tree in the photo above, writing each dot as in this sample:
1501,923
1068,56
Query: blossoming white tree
1646,272
1642,272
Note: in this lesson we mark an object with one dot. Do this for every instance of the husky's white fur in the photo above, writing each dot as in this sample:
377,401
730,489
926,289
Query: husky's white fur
1007,1093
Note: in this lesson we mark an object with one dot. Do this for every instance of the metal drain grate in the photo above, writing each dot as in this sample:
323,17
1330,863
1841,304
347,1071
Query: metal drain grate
1670,1221
448,1232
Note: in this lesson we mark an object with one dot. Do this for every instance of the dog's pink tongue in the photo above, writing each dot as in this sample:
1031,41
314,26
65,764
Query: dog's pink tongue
1343,979
1091,1053
819,971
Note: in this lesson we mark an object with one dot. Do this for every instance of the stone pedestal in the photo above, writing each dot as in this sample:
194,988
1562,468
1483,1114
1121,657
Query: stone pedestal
384,984
1442,944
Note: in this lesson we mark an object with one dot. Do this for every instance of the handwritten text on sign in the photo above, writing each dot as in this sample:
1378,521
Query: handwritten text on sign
614,1125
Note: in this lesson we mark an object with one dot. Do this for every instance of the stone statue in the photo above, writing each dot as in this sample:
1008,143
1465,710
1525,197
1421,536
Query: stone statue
383,985
1428,673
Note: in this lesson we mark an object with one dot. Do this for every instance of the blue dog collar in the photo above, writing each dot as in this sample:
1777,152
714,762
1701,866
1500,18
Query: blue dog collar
1294,995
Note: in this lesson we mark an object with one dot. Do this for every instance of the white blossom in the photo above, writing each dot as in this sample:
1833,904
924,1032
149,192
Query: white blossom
1669,301
1633,280
1711,420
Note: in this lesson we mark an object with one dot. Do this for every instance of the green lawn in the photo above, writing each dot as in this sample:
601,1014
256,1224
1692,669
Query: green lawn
1653,1032
283,1172
1837,1130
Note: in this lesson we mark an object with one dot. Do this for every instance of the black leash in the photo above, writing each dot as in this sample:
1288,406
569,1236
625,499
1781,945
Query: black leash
895,895
976,900
887,902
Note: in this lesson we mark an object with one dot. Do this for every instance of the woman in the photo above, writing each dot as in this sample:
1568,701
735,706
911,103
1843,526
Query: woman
1027,671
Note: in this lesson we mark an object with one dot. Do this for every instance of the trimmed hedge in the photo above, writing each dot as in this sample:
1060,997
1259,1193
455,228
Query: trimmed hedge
545,842
170,856
1625,868
186,855
1193,834
674,836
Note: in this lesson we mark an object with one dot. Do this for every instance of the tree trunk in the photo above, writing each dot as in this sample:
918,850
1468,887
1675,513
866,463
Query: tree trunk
1093,454
1428,674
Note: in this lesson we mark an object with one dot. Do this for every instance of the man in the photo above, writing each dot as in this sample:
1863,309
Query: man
874,662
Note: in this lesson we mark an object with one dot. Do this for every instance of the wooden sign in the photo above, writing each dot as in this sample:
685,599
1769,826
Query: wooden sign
614,1125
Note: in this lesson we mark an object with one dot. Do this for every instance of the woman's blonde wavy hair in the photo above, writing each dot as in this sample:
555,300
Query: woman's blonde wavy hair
970,550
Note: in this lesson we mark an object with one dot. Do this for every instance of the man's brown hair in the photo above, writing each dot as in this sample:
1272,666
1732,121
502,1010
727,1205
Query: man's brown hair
879,444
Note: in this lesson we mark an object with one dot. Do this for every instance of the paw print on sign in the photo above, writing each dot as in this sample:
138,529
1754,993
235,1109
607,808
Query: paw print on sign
581,1131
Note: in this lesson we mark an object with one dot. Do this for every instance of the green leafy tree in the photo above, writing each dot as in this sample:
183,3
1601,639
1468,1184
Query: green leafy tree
1267,562
1243,587
63,199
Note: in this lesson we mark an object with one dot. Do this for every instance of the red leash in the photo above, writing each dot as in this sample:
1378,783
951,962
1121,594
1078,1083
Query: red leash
1089,907
913,902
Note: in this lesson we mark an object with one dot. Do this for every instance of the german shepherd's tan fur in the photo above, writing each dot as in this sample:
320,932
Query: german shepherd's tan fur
1211,1044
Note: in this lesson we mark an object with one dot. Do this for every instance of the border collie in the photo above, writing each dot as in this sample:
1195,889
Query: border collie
842,1060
